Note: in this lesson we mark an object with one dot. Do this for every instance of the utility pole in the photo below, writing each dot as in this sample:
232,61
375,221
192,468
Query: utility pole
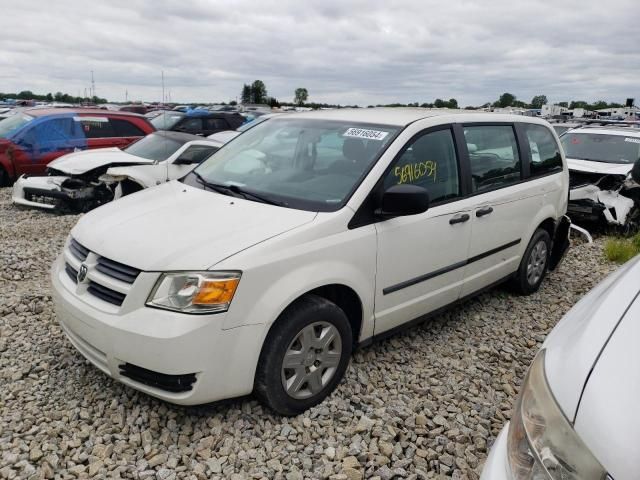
93,86
162,73
126,96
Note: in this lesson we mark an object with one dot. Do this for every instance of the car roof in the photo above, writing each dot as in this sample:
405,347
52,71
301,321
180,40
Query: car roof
613,130
42,112
399,116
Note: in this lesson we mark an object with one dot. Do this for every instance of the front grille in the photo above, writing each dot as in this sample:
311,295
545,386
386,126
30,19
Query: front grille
106,294
108,280
78,250
72,272
117,270
170,383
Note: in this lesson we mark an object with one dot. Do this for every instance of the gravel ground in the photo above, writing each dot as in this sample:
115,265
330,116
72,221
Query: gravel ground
425,403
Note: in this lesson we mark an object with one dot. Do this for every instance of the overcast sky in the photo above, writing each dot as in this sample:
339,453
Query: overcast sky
360,51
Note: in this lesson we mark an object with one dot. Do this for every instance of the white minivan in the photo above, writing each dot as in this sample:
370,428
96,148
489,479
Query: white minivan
303,238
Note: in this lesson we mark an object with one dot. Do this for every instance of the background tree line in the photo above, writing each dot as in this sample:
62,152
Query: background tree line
52,97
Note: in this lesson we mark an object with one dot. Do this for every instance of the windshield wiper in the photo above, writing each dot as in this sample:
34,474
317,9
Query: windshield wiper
250,195
236,191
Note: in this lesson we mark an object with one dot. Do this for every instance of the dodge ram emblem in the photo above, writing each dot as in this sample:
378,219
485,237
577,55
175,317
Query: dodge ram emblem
82,273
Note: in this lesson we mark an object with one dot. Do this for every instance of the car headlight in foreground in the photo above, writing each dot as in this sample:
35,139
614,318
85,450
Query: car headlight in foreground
194,292
542,444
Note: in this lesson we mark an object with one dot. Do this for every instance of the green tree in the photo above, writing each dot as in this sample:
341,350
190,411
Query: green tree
245,96
578,104
453,103
505,100
439,103
258,92
49,97
538,101
301,96
563,104
25,95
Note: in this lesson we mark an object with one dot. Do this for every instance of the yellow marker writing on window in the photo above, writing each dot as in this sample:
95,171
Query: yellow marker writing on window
414,171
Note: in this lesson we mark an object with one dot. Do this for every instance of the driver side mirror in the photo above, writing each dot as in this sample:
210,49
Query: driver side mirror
402,200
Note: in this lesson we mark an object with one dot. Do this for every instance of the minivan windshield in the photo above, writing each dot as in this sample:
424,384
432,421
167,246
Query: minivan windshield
601,147
309,164
12,123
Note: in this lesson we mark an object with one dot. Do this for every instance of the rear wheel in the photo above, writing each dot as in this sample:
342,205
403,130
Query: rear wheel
4,178
304,356
534,264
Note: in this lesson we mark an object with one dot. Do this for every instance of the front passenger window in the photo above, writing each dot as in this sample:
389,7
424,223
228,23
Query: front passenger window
493,155
429,161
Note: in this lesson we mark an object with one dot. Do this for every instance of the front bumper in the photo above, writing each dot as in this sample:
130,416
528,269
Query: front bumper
129,341
38,192
497,465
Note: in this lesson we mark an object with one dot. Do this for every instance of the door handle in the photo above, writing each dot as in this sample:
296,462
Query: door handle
461,218
481,212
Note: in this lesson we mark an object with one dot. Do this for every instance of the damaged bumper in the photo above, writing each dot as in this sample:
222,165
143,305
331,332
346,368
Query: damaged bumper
593,204
53,192
38,192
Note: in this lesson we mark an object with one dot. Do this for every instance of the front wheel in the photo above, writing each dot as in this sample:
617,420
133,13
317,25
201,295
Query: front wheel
304,356
534,264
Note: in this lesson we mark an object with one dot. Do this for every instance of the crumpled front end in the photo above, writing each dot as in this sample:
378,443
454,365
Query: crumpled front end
60,192
607,199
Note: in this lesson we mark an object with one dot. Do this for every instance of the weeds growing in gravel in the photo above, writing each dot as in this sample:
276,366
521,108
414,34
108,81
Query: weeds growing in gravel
620,250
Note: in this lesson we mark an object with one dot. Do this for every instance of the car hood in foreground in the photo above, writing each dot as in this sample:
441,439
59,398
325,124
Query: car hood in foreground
574,344
77,163
178,227
608,419
599,167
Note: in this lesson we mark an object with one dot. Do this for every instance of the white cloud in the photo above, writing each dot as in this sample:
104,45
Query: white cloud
363,52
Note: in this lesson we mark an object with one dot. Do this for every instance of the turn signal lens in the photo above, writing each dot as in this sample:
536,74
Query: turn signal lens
195,292
213,292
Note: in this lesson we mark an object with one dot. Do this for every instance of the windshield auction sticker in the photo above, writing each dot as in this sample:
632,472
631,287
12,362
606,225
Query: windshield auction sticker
365,134
632,140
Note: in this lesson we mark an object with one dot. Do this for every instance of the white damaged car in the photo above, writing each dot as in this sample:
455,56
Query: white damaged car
600,160
81,181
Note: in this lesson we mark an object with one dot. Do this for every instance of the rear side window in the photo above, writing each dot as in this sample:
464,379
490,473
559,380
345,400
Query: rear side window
216,124
192,125
125,128
428,161
96,127
493,155
545,152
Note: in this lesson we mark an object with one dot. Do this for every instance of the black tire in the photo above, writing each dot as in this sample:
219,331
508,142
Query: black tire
524,282
4,178
271,375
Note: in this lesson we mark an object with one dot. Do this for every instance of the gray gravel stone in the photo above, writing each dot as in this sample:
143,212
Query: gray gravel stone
424,403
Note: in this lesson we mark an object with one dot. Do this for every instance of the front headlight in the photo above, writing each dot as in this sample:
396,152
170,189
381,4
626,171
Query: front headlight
542,444
194,292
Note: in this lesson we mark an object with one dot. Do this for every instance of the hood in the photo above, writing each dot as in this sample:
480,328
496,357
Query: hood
574,344
608,419
77,163
178,227
599,167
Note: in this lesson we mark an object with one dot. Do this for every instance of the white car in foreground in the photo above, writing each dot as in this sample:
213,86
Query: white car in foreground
576,417
305,236
600,160
83,180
